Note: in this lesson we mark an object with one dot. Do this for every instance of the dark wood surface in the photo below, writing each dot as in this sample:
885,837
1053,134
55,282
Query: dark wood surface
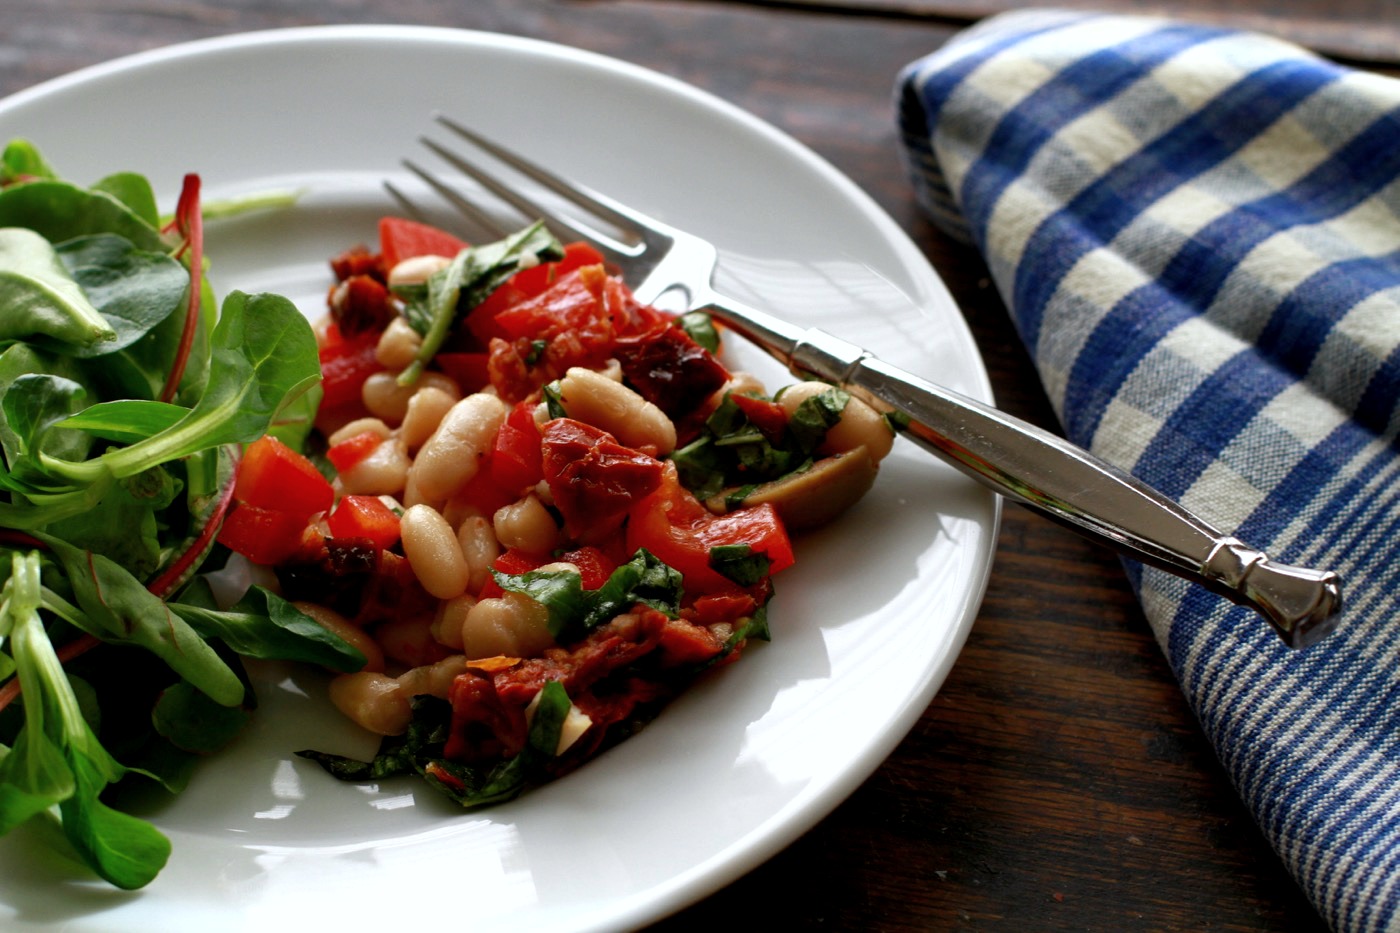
1058,781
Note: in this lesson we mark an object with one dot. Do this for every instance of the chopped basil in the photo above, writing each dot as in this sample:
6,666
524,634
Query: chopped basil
574,611
732,453
700,328
537,348
739,563
419,751
553,400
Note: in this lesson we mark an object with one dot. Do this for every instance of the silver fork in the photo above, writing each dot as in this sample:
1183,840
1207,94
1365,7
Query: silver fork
1017,460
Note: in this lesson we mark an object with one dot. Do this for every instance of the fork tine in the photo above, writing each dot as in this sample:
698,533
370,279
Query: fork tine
491,183
474,214
573,192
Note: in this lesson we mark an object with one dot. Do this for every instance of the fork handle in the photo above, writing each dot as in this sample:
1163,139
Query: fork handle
1044,471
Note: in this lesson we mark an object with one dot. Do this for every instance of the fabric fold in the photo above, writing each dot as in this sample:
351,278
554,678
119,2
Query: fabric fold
1197,233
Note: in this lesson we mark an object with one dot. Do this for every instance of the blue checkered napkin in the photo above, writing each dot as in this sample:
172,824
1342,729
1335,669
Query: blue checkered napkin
1197,233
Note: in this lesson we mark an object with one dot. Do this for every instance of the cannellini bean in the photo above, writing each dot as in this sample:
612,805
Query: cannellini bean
398,344
383,704
512,624
357,427
451,456
337,624
426,409
594,398
860,425
382,395
447,623
433,679
376,702
382,473
433,552
416,270
479,548
527,525
409,640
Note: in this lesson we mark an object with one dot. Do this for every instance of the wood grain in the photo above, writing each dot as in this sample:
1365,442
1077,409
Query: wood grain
1058,781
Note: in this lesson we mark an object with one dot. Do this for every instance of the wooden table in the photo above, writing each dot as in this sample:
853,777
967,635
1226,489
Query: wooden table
1058,780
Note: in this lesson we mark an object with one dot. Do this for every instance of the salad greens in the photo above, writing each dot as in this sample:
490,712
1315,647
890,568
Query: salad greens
126,399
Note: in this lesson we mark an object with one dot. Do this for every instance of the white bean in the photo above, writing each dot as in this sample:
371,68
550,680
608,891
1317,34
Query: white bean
450,458
398,344
357,427
426,409
376,702
433,552
447,623
416,270
382,473
860,425
597,400
526,525
479,549
383,704
512,624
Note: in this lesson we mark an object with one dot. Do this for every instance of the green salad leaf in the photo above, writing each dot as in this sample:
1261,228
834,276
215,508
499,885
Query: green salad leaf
124,398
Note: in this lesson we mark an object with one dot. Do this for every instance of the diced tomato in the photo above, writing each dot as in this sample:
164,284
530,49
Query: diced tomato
401,238
722,607
769,417
357,260
593,478
516,461
273,476
524,285
346,362
468,370
364,517
671,370
352,450
573,304
514,562
359,304
533,281
679,531
484,494
594,566
264,536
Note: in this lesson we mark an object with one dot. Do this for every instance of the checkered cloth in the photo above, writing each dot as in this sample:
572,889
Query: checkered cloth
1197,232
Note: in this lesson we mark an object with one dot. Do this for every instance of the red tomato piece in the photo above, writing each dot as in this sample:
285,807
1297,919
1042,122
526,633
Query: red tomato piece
592,477
671,370
364,517
264,536
671,524
401,238
524,285
594,566
352,450
516,461
468,370
769,417
345,365
273,476
513,562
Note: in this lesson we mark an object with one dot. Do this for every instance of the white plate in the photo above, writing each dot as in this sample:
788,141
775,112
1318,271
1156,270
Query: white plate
865,628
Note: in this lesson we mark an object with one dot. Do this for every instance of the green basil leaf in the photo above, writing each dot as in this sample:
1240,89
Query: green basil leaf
739,563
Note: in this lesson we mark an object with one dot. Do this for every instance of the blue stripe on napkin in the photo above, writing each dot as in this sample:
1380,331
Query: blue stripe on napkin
1197,232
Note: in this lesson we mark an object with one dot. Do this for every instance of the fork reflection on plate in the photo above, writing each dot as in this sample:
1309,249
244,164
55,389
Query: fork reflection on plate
1014,458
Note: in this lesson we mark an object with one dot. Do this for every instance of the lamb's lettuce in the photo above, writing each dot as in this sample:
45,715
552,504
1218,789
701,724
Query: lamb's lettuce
123,393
